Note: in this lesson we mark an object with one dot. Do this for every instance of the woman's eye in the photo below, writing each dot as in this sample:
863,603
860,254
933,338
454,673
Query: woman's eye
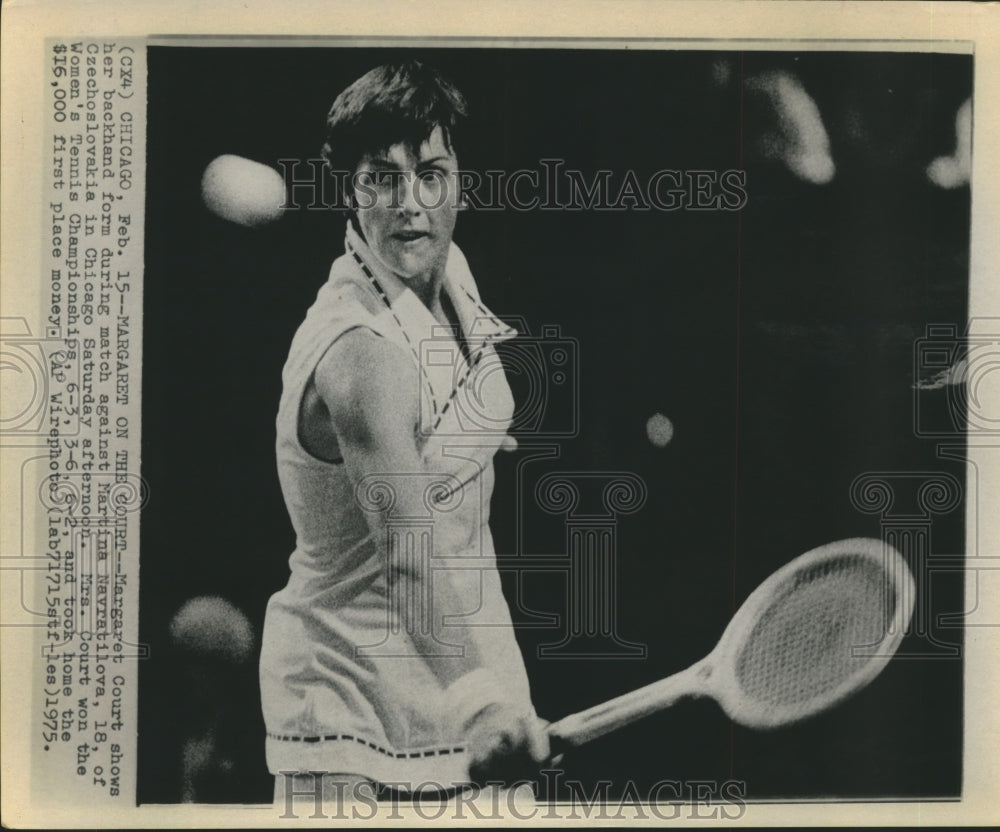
385,178
432,178
379,178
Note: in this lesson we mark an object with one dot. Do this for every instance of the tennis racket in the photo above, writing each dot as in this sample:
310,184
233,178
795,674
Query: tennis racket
815,632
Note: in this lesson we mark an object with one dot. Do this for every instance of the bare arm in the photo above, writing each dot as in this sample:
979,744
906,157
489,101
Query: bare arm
370,389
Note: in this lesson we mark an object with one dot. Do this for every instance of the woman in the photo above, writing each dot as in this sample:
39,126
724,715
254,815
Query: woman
390,657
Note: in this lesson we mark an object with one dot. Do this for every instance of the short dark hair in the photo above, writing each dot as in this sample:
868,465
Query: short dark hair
392,104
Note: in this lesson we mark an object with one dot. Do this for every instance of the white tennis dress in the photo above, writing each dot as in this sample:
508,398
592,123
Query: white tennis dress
343,689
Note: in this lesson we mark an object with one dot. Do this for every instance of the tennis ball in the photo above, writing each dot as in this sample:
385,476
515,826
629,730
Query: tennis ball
243,191
211,627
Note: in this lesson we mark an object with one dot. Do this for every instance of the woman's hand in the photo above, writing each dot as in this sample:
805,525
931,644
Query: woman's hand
509,443
506,744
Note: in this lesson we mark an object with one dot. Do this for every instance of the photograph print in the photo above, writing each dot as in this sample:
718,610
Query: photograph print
583,416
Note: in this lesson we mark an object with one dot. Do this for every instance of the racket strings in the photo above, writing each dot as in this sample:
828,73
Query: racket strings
810,639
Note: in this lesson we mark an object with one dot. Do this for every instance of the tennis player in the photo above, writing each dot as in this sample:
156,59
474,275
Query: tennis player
380,664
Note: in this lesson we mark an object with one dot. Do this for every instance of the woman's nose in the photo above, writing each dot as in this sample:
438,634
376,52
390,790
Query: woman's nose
409,194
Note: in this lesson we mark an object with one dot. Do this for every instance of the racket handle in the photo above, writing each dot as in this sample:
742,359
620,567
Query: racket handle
584,726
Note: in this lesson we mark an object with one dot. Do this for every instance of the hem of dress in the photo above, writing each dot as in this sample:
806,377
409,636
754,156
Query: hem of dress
441,767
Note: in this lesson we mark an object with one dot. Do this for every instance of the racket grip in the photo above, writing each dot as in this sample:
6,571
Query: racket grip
557,747
584,726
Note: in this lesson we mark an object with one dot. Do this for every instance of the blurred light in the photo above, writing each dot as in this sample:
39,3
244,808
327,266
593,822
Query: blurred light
659,429
209,626
956,170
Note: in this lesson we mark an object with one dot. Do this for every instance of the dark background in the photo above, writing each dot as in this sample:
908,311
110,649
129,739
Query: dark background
779,340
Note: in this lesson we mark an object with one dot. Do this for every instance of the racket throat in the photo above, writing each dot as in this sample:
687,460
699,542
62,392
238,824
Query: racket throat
616,713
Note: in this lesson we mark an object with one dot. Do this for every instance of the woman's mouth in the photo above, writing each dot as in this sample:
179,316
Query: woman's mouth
410,236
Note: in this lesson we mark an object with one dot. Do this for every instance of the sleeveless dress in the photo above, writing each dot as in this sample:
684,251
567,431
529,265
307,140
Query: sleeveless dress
343,687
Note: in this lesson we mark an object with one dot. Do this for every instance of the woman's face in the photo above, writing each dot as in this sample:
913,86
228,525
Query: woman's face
407,203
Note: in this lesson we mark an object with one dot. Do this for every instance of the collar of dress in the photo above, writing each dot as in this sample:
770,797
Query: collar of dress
479,325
